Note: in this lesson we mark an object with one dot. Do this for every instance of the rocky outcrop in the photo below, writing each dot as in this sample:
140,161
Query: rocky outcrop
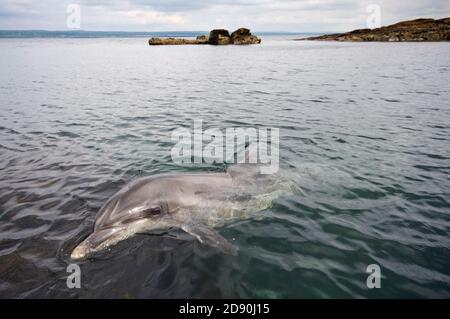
413,30
203,38
241,36
175,41
219,37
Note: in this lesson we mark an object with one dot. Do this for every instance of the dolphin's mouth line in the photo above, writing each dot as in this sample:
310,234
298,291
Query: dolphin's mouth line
154,233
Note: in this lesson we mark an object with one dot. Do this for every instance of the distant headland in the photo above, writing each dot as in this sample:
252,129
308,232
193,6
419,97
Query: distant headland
419,30
241,36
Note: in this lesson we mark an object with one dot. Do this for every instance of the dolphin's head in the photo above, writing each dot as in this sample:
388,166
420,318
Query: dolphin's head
128,212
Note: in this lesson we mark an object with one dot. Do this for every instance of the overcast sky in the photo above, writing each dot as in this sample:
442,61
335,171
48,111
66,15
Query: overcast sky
173,15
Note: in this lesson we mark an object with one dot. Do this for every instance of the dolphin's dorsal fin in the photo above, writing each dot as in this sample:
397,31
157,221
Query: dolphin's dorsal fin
209,237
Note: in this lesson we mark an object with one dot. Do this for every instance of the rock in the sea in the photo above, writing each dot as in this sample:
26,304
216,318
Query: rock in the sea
413,30
174,41
216,37
204,38
244,36
219,37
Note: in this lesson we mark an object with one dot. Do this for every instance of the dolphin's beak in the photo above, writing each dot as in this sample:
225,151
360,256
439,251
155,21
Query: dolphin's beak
87,247
96,241
82,251
79,253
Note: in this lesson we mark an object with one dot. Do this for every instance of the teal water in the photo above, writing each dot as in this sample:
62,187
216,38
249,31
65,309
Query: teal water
364,131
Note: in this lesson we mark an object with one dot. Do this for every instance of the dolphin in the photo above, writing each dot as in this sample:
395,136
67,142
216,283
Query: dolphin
193,202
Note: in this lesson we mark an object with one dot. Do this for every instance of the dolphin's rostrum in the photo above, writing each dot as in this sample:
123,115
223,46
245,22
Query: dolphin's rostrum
195,203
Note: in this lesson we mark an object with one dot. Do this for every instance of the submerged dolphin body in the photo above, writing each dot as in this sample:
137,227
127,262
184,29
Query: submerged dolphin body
195,203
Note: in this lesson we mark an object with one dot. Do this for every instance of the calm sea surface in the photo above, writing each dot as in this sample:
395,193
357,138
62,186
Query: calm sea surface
364,131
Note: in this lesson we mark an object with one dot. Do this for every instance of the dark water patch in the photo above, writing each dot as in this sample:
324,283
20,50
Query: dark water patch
12,149
340,140
52,106
372,138
444,127
136,118
392,100
319,101
67,134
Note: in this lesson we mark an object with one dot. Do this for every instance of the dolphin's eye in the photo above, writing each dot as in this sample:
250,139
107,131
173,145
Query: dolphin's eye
153,211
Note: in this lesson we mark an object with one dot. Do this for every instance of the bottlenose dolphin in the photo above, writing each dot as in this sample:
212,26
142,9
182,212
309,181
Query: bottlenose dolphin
195,203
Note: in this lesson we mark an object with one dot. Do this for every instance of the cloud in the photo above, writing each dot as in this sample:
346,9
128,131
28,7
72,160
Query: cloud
148,17
259,15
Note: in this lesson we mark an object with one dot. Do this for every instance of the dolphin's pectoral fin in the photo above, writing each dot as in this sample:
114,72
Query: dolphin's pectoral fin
209,237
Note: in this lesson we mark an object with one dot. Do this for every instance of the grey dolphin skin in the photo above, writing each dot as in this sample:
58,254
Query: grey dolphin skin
195,203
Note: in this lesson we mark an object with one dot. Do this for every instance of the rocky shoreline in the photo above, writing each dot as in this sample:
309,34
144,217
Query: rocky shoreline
419,30
241,36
